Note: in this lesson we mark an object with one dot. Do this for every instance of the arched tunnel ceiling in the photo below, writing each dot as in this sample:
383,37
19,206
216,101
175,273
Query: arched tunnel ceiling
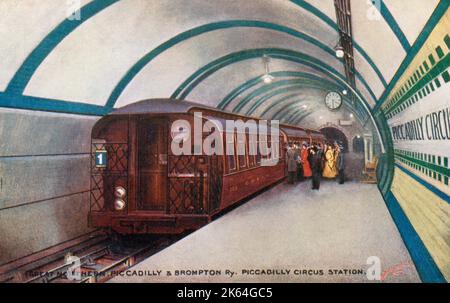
124,51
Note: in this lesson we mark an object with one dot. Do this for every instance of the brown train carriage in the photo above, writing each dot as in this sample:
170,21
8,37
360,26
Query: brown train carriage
295,135
298,135
317,137
142,187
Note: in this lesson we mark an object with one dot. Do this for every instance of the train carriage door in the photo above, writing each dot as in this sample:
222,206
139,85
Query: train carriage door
152,164
194,179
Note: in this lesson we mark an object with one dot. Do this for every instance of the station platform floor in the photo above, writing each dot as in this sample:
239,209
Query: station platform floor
289,233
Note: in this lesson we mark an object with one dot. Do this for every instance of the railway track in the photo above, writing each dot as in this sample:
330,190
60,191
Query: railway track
94,259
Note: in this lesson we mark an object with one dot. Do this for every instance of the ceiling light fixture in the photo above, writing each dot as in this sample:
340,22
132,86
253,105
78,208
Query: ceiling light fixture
344,92
339,51
267,78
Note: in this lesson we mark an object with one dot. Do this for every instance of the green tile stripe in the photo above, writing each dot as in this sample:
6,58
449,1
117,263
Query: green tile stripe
283,54
296,119
206,70
288,101
425,265
415,76
291,114
430,164
327,20
385,169
435,18
278,74
273,93
438,69
444,196
51,105
390,20
430,87
296,96
23,75
424,171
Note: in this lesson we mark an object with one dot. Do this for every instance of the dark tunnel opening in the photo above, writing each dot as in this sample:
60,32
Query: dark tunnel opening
335,135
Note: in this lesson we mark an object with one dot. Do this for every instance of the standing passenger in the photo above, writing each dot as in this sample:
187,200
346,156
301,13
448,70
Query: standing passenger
299,164
324,150
316,165
306,166
291,159
320,152
329,170
340,163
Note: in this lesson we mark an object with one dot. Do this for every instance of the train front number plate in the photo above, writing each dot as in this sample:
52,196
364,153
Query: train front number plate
101,158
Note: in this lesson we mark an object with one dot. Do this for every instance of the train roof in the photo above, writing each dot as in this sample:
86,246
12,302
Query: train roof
293,132
317,135
159,106
308,130
168,105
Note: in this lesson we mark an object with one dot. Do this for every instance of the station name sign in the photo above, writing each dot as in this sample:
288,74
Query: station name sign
433,126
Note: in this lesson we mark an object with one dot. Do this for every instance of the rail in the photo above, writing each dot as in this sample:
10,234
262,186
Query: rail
97,259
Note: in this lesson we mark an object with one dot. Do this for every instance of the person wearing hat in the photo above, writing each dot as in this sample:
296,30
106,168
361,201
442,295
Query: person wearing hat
291,161
324,150
300,177
329,170
316,166
340,162
304,154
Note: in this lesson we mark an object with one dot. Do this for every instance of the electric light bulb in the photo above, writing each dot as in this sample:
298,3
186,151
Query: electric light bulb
267,79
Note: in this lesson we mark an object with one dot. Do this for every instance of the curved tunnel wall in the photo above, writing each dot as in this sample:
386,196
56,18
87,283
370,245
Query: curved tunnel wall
417,112
53,162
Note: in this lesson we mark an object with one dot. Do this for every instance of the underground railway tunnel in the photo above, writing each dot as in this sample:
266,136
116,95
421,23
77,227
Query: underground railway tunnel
372,75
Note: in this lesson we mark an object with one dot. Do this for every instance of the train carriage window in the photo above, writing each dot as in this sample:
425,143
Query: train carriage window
281,148
276,149
231,158
269,145
242,150
251,151
258,155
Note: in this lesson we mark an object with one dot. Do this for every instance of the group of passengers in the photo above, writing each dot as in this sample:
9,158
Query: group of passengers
315,161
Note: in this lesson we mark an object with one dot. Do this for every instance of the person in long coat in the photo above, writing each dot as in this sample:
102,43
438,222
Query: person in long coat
340,165
316,165
300,177
322,154
291,162
307,173
329,171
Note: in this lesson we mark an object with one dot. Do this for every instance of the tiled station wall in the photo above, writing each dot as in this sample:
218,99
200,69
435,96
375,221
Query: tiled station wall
44,180
418,114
